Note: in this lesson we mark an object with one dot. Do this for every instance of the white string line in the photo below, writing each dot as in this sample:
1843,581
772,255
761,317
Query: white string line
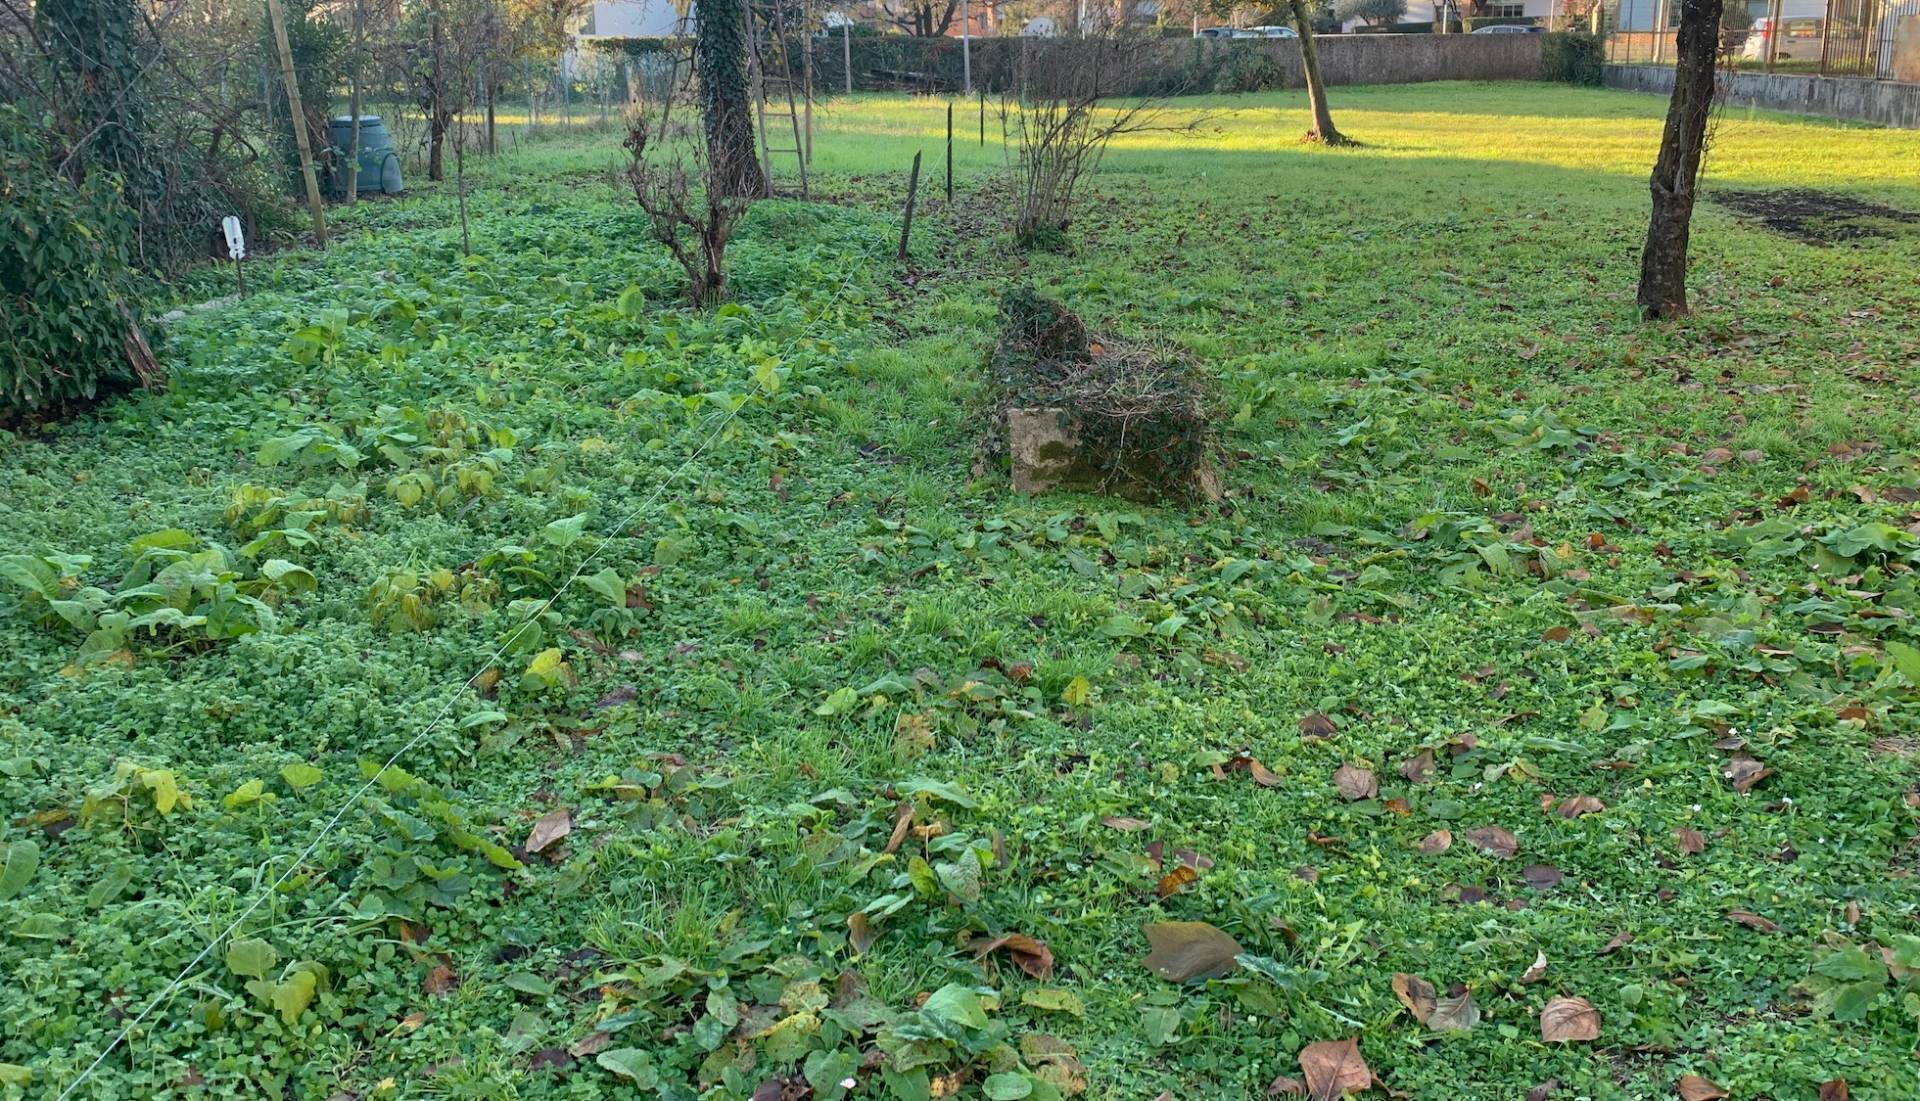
354,799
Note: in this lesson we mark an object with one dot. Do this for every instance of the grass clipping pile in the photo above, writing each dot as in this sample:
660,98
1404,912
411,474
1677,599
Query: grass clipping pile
1072,410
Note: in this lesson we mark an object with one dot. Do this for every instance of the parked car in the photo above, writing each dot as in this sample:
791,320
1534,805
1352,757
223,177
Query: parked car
1216,32
1511,28
1274,32
1801,39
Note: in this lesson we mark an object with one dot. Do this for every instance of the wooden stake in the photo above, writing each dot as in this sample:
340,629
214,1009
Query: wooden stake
279,18
983,115
913,190
949,152
846,52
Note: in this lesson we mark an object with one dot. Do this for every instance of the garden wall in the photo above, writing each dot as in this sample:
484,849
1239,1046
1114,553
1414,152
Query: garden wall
1177,65
1842,97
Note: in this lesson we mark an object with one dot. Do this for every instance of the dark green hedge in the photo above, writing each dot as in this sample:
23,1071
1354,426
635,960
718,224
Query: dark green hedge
65,278
1574,57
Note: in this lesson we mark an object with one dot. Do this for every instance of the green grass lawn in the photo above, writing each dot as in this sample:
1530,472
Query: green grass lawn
1489,538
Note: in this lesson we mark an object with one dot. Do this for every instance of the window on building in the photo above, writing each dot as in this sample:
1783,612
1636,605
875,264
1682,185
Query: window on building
1512,10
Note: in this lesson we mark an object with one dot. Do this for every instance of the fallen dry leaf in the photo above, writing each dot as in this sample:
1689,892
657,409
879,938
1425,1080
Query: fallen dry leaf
1691,841
1435,843
1029,955
1743,772
440,981
1834,1089
861,932
1569,1019
1576,805
1285,1086
1124,825
1416,993
1541,877
1620,940
1334,1068
1454,1014
1544,1090
1317,726
902,822
1176,880
1752,921
593,1043
1184,950
1260,773
1493,840
1356,782
1692,1087
551,828
1537,971
1418,768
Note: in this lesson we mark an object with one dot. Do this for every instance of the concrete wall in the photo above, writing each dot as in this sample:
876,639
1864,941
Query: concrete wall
1185,64
1842,97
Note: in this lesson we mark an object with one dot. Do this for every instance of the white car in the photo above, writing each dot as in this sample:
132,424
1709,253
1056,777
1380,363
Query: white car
1510,28
1274,32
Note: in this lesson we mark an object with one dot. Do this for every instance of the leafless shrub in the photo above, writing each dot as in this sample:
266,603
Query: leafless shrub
1068,112
674,182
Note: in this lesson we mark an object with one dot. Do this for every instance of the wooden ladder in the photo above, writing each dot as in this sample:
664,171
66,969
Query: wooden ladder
774,89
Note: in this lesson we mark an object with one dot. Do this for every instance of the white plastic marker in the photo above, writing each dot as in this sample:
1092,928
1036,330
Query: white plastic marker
236,247
625,522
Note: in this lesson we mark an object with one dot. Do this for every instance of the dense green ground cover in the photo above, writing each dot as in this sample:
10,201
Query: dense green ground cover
1491,545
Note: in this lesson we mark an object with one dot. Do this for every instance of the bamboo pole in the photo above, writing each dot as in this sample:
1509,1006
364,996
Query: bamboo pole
279,17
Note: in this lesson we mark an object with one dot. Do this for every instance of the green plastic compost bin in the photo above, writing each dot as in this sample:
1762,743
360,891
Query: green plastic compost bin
379,164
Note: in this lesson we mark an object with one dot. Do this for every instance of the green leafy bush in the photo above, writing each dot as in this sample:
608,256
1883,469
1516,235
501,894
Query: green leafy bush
1572,57
1249,72
65,279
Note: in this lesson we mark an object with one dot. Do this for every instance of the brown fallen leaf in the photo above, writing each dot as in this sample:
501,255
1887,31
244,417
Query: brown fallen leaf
1356,782
549,829
1456,1013
1567,1019
1544,1090
1620,940
1177,880
1576,805
440,981
593,1043
1029,955
1834,1089
1537,971
1556,634
1752,921
1493,840
1185,950
1285,1086
861,932
1260,773
1692,1087
1435,843
1334,1068
1418,768
1541,877
1317,726
902,822
1125,825
1416,993
1691,841
1743,772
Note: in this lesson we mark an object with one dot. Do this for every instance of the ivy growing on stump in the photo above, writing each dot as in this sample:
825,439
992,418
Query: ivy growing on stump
726,98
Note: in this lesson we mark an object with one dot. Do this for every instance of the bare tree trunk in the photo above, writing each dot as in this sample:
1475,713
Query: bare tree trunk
1323,129
437,113
1663,265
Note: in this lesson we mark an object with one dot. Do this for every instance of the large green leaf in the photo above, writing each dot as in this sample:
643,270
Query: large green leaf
18,861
